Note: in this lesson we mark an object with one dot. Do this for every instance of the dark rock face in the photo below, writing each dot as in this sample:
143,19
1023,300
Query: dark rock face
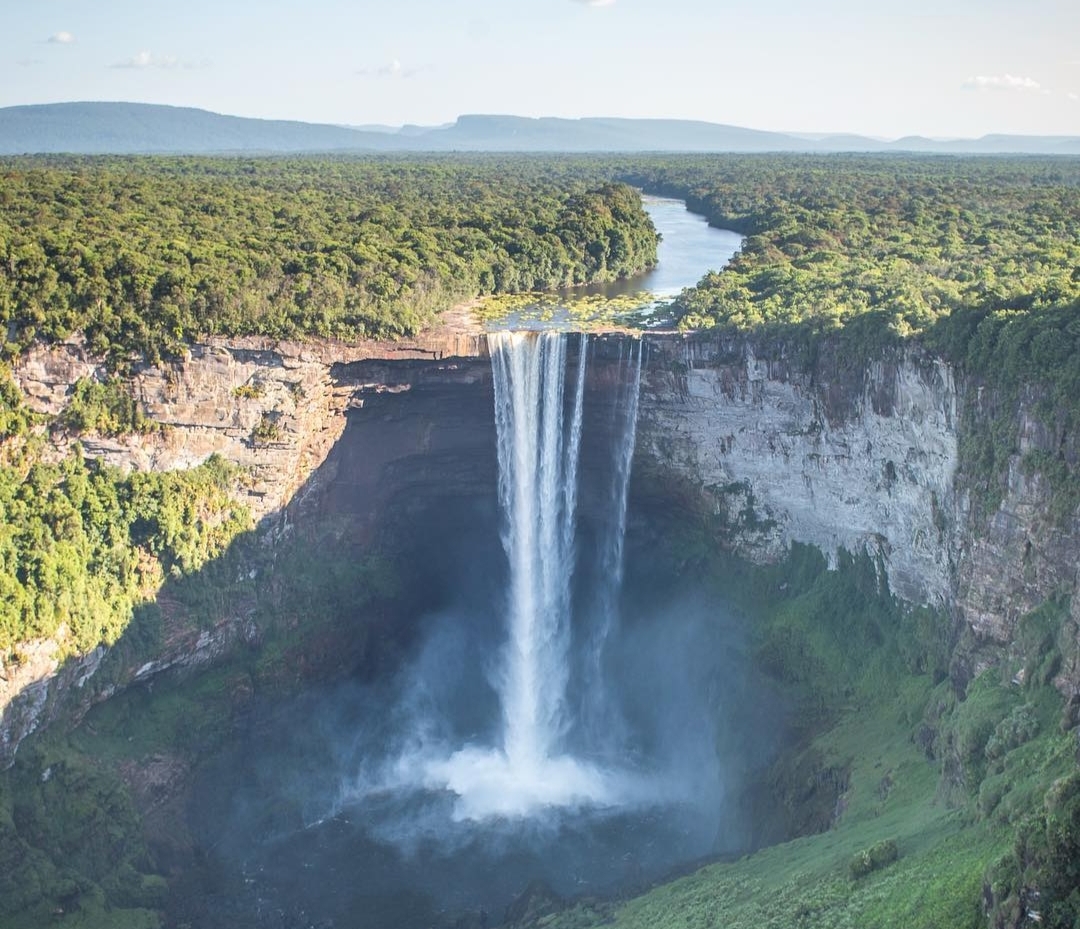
416,437
420,445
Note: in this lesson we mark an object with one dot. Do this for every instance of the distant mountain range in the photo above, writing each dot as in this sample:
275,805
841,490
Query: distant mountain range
128,128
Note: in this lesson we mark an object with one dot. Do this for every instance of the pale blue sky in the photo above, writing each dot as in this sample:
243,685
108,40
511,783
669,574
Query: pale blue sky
932,67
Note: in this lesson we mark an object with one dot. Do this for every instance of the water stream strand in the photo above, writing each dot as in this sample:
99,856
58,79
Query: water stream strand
599,719
537,464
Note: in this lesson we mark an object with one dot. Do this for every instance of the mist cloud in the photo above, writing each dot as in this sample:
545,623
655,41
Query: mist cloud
1005,82
596,2
61,38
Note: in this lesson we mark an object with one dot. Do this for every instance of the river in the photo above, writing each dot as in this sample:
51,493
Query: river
689,248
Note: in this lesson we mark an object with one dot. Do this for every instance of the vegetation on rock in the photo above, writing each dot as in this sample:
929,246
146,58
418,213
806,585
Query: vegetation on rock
105,408
83,544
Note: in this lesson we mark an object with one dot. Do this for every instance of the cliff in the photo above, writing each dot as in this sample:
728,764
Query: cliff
866,458
862,460
780,448
209,402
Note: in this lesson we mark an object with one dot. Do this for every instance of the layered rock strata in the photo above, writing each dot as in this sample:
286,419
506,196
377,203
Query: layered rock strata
862,460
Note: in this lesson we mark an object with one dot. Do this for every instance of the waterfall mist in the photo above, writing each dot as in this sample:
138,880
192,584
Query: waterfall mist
558,718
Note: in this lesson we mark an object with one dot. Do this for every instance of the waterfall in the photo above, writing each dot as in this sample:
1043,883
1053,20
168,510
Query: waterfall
539,425
538,456
599,719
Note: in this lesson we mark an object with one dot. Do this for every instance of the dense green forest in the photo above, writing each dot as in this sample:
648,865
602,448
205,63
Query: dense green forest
143,254
83,544
829,239
976,259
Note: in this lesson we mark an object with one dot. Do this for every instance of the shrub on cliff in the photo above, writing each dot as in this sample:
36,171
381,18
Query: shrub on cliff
874,858
84,543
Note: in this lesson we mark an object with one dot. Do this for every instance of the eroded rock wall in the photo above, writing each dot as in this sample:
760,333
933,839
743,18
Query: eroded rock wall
1026,549
831,454
213,401
210,402
861,460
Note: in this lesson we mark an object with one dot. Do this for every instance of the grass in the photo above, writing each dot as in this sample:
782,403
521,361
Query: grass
893,795
70,845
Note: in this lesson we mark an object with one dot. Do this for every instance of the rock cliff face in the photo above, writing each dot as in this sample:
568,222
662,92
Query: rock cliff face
213,400
209,403
866,459
783,449
1023,552
858,460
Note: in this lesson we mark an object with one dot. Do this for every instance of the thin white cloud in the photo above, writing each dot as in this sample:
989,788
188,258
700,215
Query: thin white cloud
1002,82
596,2
147,60
61,38
1072,96
144,60
395,70
29,62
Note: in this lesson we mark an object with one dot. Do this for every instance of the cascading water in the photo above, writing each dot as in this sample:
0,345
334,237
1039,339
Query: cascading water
599,719
539,441
538,455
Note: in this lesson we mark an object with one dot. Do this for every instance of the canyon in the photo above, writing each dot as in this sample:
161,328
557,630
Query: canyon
744,430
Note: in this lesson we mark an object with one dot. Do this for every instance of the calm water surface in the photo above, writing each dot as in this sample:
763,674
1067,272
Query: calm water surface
690,248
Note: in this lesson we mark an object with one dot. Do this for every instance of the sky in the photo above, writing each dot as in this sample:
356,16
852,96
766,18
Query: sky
940,68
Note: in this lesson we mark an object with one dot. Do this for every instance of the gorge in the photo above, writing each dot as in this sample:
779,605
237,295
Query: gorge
740,443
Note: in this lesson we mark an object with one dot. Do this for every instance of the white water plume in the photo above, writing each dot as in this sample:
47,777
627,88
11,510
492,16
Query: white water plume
539,441
537,491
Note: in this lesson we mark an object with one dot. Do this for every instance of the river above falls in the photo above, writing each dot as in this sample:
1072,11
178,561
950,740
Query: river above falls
689,248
